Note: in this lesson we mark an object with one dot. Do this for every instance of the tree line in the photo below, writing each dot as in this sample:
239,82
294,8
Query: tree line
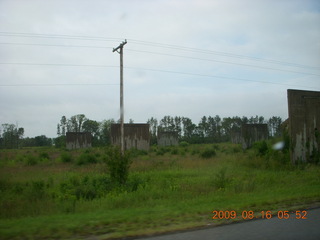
208,130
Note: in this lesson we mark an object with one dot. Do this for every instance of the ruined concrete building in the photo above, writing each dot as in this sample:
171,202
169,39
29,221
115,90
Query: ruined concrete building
167,138
304,125
135,136
251,133
75,140
236,136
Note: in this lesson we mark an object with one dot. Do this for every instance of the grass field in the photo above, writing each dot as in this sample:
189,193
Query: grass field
47,193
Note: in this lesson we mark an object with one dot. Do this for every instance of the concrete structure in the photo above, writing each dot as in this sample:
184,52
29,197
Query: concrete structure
236,136
135,136
251,133
75,140
304,125
167,138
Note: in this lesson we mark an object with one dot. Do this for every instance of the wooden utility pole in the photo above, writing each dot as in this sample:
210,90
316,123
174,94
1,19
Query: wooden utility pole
119,49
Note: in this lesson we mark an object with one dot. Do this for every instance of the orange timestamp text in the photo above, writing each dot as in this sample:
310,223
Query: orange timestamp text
246,215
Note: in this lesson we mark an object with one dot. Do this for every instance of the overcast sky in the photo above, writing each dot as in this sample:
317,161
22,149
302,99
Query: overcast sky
182,58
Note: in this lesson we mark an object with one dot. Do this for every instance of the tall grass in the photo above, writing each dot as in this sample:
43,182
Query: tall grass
175,189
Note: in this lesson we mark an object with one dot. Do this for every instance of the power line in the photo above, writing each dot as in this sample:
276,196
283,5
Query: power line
154,44
212,76
56,36
219,61
158,70
57,64
165,54
58,84
53,45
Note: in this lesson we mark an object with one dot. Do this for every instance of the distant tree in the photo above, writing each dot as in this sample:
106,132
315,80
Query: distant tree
105,131
11,135
63,125
188,128
42,141
274,125
153,128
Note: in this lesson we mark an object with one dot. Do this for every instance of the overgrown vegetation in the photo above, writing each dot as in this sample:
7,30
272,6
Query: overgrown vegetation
52,193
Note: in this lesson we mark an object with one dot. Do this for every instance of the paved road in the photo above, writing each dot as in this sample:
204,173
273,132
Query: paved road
274,228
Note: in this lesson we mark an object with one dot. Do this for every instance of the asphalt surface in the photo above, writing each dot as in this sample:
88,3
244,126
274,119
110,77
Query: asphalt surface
274,228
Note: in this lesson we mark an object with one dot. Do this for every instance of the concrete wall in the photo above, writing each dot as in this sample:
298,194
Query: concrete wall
251,133
135,136
304,124
236,137
167,138
75,140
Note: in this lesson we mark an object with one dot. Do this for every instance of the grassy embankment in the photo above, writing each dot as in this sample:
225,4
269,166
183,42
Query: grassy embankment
53,194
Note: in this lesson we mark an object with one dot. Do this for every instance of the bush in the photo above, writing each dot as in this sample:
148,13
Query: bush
118,165
261,147
208,153
220,180
31,160
66,157
184,144
86,158
174,151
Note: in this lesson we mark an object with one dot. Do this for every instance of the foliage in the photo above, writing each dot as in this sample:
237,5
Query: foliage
118,164
86,158
208,153
220,180
11,136
66,157
83,200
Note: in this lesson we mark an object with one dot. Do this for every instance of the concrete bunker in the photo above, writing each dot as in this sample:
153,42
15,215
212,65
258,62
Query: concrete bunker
135,136
168,138
251,133
76,140
304,125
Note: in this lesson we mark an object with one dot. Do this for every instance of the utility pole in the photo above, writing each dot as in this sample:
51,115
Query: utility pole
119,49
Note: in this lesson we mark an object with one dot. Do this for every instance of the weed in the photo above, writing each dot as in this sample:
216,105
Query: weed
220,180
261,147
44,156
66,157
174,151
208,153
31,160
184,144
86,158
118,165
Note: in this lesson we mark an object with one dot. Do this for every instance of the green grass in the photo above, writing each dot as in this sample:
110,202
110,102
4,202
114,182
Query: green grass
176,189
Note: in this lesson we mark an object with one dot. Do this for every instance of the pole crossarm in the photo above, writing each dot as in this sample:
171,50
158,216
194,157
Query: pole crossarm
120,46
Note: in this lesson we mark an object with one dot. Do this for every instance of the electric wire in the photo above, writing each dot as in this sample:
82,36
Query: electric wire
95,38
150,70
163,54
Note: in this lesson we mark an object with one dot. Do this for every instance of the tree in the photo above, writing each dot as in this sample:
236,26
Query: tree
153,128
11,135
188,128
274,125
105,131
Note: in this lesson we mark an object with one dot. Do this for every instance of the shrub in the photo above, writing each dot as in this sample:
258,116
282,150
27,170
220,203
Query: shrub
208,153
66,157
220,180
184,144
174,151
44,156
31,160
261,147
118,165
86,158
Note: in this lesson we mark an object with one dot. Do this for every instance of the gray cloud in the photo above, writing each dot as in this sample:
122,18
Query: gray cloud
285,31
